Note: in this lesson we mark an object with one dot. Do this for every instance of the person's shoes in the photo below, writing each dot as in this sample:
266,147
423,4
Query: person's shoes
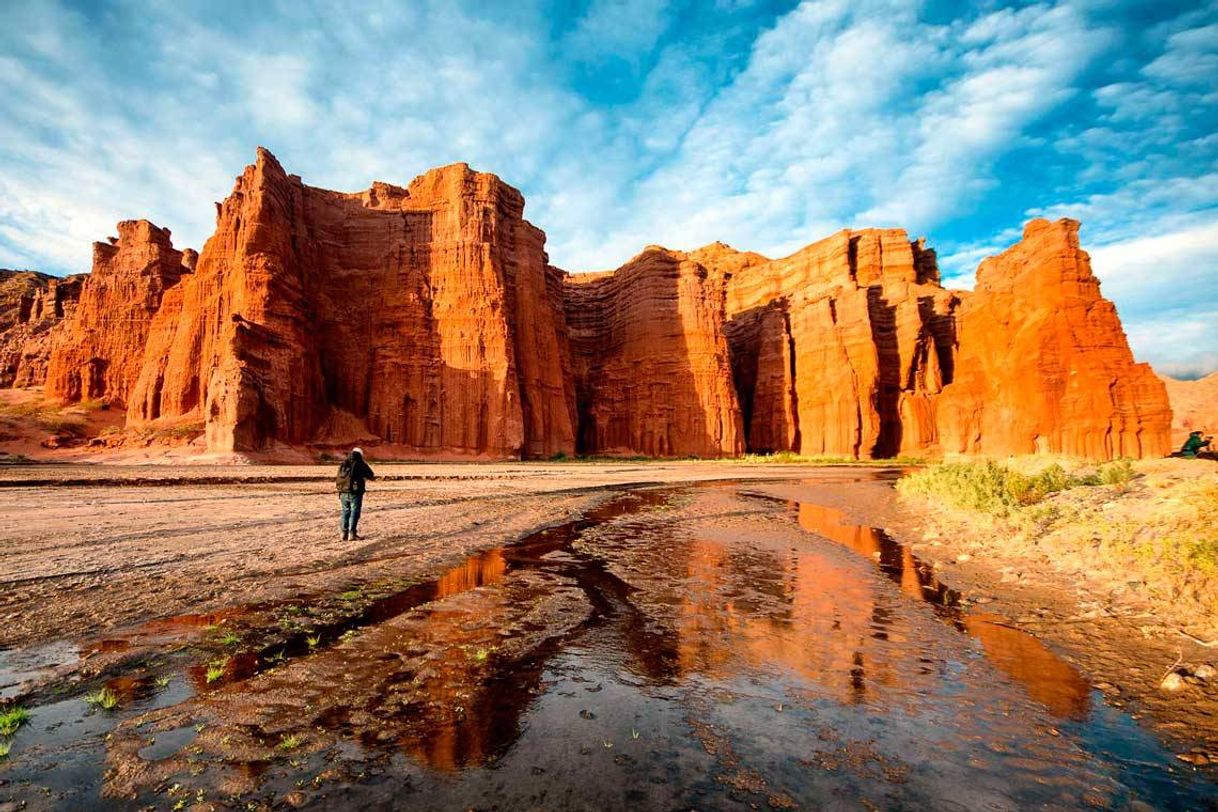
356,537
345,537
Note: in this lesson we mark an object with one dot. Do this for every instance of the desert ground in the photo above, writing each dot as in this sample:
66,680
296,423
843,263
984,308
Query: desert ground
576,635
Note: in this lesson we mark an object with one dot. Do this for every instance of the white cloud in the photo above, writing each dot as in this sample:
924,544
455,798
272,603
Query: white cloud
626,29
838,113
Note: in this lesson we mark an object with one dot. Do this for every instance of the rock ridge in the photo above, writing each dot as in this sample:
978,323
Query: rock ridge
426,321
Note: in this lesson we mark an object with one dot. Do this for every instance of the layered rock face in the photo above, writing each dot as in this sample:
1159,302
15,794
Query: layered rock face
650,360
31,306
98,351
426,321
1043,365
841,348
425,318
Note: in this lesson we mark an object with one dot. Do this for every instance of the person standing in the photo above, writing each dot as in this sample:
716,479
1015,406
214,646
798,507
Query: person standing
352,473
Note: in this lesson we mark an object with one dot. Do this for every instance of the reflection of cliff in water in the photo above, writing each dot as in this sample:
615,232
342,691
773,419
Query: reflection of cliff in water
801,611
1048,679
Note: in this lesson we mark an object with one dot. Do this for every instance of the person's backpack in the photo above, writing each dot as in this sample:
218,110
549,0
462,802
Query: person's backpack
345,471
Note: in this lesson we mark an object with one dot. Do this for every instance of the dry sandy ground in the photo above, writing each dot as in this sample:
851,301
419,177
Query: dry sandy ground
89,548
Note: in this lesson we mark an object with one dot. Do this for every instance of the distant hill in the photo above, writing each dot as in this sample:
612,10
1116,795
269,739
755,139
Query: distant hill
1194,405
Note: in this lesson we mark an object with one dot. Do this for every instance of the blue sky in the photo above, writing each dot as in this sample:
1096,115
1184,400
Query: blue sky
765,124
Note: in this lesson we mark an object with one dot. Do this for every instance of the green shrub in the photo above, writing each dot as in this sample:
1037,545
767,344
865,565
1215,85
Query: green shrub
103,698
986,487
70,424
1119,473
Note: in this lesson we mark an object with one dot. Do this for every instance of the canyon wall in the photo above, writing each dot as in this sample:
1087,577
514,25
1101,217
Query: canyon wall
425,318
98,350
31,306
843,347
650,360
1194,406
1043,365
426,321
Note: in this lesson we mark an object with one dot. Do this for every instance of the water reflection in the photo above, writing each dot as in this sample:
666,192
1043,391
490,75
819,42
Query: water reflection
915,578
659,617
1050,681
802,612
1047,679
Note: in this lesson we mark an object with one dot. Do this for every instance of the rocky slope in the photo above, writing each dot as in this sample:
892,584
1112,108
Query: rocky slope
31,305
1194,406
427,321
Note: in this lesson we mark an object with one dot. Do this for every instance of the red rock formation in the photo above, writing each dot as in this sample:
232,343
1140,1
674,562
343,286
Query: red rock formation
427,321
31,306
650,359
1043,365
98,351
839,348
424,318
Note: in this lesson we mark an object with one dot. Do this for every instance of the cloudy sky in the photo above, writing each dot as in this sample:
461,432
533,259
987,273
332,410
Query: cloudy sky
763,123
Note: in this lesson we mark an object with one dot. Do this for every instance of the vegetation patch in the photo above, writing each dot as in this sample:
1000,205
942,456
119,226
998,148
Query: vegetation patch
998,490
11,719
1143,532
103,698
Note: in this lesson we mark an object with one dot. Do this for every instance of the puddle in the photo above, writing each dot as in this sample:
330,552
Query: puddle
166,744
1048,679
677,647
19,667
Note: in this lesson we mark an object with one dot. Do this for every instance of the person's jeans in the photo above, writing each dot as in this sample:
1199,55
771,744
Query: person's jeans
349,504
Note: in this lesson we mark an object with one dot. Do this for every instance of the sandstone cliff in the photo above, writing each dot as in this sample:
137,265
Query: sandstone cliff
425,318
1043,364
841,348
426,321
98,350
650,359
31,306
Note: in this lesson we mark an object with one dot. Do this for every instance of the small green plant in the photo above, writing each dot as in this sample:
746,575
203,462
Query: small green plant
290,742
313,640
215,670
11,719
102,698
5,749
229,639
161,682
1119,473
481,654
351,595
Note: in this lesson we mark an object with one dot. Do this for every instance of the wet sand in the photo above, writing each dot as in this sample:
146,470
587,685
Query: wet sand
568,636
